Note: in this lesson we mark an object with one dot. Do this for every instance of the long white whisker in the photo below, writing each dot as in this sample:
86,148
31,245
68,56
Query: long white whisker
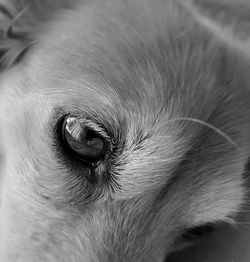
217,130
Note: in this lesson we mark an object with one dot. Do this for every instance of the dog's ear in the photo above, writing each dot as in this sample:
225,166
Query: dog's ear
19,24
229,20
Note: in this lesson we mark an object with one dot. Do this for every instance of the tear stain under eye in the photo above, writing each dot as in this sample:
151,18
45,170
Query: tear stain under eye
93,179
246,174
100,176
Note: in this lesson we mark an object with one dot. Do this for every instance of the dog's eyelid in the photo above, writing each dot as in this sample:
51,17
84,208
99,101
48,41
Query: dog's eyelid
85,118
96,129
93,125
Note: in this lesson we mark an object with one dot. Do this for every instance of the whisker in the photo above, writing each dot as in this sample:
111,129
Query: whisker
245,211
243,225
217,130
242,222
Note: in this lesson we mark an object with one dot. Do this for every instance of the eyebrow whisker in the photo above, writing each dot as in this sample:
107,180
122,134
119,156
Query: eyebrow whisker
217,130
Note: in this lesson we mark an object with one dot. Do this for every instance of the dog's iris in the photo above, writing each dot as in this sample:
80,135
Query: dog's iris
81,138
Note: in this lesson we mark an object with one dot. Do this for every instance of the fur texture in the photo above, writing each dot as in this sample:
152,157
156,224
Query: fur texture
168,88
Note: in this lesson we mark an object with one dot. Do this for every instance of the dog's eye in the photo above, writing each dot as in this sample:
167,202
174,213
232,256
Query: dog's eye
82,140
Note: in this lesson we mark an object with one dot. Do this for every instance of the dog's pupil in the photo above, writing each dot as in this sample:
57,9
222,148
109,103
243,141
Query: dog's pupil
93,140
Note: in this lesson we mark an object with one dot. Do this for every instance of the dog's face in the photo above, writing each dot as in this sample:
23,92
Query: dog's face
124,130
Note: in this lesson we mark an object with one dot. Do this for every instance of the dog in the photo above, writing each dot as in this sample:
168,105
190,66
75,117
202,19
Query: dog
125,126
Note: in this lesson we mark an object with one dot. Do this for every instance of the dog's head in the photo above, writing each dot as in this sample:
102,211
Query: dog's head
124,127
